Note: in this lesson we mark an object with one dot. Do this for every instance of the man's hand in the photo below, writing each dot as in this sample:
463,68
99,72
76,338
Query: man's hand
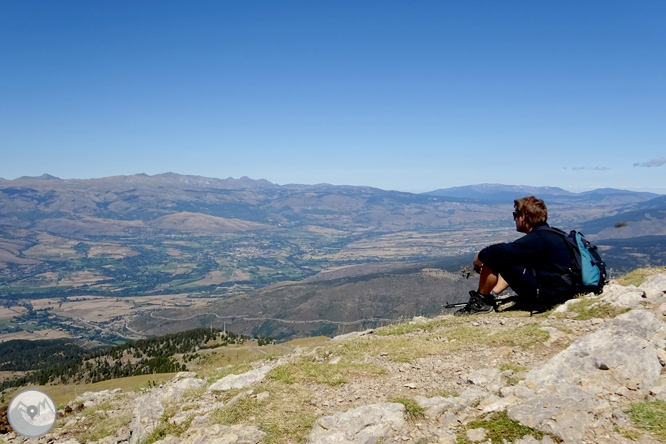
477,263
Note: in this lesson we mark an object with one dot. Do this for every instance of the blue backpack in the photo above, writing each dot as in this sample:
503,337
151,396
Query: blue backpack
587,271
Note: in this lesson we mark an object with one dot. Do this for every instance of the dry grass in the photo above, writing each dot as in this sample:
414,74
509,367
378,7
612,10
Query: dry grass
101,428
425,326
64,393
396,348
638,276
322,372
525,336
237,368
439,337
97,422
286,416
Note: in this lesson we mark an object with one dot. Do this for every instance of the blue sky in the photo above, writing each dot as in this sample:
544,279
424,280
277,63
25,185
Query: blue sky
404,95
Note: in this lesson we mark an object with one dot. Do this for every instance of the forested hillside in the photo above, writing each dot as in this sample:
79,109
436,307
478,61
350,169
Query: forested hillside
62,361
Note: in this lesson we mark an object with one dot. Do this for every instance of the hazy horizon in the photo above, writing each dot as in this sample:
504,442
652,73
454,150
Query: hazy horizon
414,191
408,96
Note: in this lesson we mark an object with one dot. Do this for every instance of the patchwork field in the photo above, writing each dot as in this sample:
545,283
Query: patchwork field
88,317
410,244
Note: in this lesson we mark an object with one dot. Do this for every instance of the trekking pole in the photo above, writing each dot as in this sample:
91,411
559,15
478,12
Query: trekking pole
459,304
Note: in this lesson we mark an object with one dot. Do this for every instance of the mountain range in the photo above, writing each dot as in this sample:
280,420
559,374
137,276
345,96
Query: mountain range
271,256
105,205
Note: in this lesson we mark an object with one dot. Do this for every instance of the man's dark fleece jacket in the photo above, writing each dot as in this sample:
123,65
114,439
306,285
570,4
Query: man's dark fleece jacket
542,252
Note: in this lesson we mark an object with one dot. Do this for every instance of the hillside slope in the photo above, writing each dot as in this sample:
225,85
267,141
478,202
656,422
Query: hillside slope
584,373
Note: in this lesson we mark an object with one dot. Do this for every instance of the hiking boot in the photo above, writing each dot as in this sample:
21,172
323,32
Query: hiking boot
478,303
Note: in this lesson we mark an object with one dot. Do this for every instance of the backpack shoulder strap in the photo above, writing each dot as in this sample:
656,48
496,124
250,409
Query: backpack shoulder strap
572,245
552,229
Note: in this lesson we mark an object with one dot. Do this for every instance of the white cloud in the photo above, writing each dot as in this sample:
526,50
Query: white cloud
597,168
652,163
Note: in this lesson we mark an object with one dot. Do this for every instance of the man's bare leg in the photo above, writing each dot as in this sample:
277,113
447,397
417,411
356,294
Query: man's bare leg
491,282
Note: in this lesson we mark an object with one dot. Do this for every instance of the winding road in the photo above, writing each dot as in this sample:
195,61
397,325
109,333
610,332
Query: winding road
286,321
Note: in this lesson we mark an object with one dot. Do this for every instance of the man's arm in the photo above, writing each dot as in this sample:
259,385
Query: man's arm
519,251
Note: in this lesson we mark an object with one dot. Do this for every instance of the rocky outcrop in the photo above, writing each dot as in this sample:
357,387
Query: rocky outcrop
89,399
150,407
218,434
364,425
572,392
241,381
578,393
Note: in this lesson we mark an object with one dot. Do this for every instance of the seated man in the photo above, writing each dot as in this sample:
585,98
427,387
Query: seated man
533,266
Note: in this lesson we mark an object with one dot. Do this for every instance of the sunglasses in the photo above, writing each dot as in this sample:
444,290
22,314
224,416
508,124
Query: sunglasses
516,214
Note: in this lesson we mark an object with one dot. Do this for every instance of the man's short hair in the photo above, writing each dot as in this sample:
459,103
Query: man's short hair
534,209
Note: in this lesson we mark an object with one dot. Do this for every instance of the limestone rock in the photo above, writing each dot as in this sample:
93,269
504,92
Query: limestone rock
364,425
477,434
91,398
243,380
173,390
353,335
529,439
564,410
473,396
219,434
565,306
579,395
434,407
619,353
488,378
620,296
149,408
654,286
146,416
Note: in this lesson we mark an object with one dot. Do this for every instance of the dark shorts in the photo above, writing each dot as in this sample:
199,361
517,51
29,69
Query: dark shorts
521,280
524,283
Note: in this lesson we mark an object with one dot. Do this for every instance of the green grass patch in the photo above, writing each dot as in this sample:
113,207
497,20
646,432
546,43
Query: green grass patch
650,416
413,410
500,429
590,308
